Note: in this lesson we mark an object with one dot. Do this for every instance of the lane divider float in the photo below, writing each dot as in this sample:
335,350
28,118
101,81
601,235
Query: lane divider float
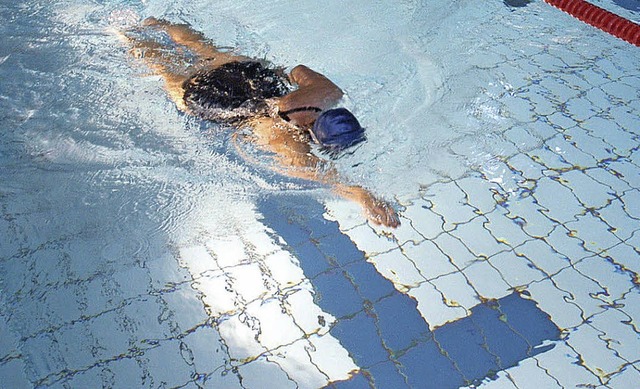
600,18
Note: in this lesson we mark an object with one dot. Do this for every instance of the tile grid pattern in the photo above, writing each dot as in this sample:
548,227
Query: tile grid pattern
556,218
555,215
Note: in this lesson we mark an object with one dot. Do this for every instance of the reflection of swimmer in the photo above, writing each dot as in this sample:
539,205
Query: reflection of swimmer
222,86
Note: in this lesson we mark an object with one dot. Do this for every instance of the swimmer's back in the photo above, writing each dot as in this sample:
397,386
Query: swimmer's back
233,91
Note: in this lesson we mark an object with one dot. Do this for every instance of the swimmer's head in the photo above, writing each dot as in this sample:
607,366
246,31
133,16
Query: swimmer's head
337,129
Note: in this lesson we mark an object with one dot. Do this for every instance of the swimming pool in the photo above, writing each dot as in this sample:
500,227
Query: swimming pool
137,249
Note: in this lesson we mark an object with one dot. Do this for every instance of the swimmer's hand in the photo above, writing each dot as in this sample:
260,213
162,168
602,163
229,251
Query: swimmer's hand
381,212
378,211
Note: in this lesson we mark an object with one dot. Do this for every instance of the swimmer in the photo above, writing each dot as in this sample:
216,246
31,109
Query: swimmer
222,86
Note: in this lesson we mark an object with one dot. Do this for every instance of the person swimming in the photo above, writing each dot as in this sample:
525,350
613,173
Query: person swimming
285,114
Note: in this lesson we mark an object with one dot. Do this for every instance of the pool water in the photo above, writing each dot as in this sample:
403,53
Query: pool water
139,249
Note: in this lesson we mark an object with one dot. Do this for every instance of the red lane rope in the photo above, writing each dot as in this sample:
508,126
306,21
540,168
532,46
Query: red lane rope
600,18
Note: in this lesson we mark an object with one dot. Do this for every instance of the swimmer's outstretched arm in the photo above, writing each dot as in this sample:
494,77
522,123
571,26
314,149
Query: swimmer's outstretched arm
294,159
184,35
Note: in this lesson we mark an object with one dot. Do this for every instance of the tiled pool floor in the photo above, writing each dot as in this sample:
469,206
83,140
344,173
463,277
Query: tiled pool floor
517,272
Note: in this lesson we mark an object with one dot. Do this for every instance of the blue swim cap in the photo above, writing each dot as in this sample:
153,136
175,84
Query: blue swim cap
336,129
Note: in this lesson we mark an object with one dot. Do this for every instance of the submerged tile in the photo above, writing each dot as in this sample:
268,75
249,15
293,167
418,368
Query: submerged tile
426,366
558,304
486,280
528,375
429,259
593,351
433,308
564,365
261,371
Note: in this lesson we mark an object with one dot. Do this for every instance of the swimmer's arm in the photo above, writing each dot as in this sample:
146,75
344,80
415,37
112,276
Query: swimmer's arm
294,159
185,35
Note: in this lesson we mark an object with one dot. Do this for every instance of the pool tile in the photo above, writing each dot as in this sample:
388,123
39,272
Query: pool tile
357,381
453,248
124,372
331,358
607,177
261,373
515,270
591,145
520,108
387,375
565,244
569,153
369,242
163,272
429,259
313,261
504,229
631,200
456,290
432,307
620,91
183,308
528,375
284,269
240,334
558,304
399,322
464,344
581,289
629,377
339,249
307,315
564,365
626,255
168,353
262,243
276,327
626,171
615,215
450,202
360,336
615,282
335,293
426,367
618,332
595,355
423,219
294,359
395,267
217,294
478,239
208,352
582,109
542,256
594,232
486,280
559,200
529,168
249,281
535,223
522,138
479,193
590,193
229,251
197,259
368,282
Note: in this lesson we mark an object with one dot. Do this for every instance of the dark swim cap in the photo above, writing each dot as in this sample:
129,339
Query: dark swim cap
336,129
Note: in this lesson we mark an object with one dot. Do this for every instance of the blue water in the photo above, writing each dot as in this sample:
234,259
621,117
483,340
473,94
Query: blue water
138,248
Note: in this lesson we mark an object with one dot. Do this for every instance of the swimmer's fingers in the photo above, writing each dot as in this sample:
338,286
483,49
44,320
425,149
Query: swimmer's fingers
382,213
154,22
